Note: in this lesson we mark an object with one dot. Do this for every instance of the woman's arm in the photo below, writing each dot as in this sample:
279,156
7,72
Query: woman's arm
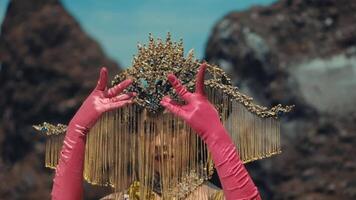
69,172
204,119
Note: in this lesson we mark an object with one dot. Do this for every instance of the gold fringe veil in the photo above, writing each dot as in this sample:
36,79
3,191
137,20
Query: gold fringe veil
141,143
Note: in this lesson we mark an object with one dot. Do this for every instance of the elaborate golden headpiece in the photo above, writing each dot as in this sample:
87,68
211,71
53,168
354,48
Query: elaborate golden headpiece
122,147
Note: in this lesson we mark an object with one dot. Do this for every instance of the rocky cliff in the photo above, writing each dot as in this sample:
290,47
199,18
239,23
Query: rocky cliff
48,65
300,52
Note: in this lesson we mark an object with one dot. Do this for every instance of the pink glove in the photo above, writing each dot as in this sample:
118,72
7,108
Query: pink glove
204,119
69,172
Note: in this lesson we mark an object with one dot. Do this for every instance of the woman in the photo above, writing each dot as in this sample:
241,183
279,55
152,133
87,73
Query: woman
197,111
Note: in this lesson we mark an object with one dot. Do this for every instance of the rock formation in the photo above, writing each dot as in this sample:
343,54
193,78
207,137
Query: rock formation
48,65
300,52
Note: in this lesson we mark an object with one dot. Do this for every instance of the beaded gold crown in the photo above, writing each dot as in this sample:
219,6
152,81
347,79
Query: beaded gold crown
142,143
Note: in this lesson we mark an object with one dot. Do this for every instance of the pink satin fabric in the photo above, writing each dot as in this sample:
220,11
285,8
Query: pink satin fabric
202,116
68,181
198,113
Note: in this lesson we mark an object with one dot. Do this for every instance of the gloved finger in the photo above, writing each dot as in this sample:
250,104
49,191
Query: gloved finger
168,99
118,104
199,85
103,79
172,106
122,97
117,89
177,85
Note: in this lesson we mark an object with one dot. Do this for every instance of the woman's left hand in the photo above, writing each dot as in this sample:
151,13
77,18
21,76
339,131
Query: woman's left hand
69,172
102,100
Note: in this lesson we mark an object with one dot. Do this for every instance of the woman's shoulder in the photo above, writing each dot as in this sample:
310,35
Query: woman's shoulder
115,196
206,191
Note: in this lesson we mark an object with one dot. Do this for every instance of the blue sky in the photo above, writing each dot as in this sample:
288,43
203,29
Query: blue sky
119,25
